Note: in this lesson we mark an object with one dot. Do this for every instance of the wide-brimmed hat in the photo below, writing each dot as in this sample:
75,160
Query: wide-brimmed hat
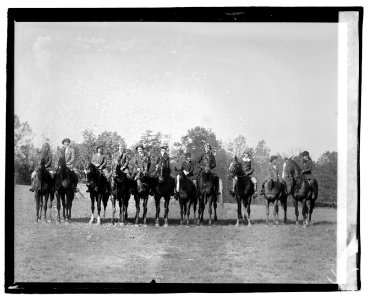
273,157
66,140
305,153
139,146
164,147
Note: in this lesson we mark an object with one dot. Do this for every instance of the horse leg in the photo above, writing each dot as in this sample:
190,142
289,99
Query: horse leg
44,208
215,208
137,208
166,220
247,208
145,201
113,208
99,200
63,203
181,204
210,200
284,205
51,198
37,206
238,200
311,208
157,203
199,209
295,201
267,210
305,212
92,208
58,207
276,212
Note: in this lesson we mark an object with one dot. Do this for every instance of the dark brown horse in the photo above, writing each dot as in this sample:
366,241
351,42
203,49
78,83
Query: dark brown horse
43,190
187,196
207,193
163,188
300,189
244,189
98,187
144,183
121,191
64,189
275,192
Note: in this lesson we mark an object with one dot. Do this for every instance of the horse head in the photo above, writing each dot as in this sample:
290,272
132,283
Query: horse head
91,175
234,168
291,173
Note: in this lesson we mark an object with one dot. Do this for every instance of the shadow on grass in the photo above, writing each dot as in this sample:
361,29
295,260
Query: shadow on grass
176,222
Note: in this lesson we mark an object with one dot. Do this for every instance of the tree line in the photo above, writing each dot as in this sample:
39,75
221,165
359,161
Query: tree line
26,154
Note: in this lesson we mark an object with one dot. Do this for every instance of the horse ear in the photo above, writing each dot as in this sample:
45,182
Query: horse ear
236,158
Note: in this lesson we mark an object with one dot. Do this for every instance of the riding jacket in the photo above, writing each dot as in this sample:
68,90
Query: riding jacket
207,158
139,161
164,162
69,157
46,159
307,166
188,166
120,158
99,160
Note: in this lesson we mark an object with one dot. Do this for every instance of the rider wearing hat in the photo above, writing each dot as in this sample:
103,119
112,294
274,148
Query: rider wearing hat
307,165
120,158
69,160
187,167
45,160
208,158
273,172
247,166
141,162
99,159
163,161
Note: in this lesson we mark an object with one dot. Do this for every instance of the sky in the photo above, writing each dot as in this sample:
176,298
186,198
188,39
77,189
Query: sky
271,81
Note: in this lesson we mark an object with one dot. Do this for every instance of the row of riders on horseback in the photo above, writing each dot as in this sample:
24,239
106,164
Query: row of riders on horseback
131,177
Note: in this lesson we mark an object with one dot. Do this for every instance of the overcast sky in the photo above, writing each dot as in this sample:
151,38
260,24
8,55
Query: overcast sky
271,81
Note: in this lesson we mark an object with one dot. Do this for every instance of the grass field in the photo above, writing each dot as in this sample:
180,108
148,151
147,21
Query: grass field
80,252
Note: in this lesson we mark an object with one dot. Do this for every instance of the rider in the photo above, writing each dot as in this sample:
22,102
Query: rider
121,158
247,166
139,161
273,172
187,167
163,161
69,160
307,166
208,157
46,160
100,161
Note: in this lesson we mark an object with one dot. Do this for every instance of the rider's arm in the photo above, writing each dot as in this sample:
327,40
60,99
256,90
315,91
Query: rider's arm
308,167
251,170
103,162
72,156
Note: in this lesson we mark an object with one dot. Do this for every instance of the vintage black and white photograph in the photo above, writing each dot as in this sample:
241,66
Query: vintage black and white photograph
182,152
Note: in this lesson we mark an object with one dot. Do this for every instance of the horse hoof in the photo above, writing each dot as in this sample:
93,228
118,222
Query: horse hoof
157,225
249,224
166,225
209,223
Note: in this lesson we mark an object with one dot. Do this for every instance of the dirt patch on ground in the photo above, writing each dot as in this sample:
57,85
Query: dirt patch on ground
80,252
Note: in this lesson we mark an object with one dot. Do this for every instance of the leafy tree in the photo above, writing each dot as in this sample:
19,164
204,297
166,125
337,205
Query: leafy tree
237,146
325,171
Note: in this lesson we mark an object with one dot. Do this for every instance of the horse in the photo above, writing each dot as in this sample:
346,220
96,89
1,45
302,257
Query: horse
43,189
187,196
64,190
207,193
244,189
121,186
141,191
163,187
274,192
98,187
300,189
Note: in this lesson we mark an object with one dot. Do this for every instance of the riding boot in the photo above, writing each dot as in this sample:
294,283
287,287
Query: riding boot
255,191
